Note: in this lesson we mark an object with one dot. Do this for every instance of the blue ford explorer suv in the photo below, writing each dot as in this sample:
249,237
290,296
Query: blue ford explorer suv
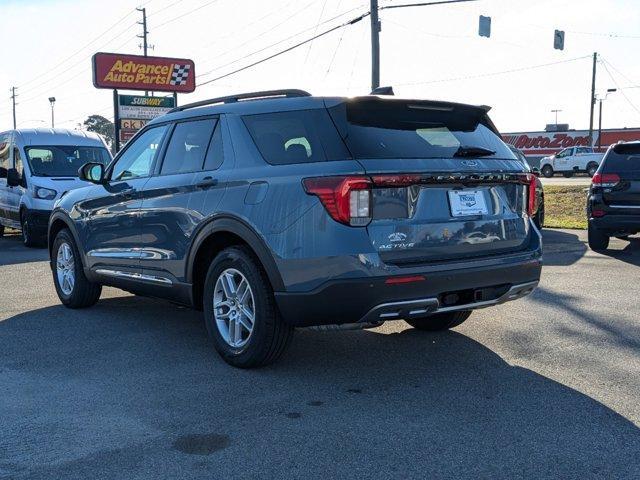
276,210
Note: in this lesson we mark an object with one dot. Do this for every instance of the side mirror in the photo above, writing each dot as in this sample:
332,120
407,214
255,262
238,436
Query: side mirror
535,171
13,177
92,172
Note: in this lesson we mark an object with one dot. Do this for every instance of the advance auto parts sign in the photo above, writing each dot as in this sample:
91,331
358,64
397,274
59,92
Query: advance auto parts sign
136,72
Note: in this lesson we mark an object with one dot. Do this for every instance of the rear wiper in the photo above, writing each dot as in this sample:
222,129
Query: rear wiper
471,151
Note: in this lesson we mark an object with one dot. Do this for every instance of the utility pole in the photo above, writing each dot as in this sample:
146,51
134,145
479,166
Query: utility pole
13,101
593,98
375,46
145,32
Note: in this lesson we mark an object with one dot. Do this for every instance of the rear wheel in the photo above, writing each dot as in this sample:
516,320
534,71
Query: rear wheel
240,311
538,218
591,169
547,171
598,240
440,321
72,286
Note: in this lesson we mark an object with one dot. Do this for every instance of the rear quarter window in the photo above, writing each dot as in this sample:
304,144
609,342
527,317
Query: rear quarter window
622,158
300,136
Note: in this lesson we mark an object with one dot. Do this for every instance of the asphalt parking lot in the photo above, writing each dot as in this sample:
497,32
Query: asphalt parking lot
546,387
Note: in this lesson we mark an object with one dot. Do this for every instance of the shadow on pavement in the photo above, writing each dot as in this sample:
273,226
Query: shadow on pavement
13,251
562,248
132,388
629,254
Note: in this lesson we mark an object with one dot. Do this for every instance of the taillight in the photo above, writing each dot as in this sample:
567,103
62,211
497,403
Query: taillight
606,180
346,199
530,180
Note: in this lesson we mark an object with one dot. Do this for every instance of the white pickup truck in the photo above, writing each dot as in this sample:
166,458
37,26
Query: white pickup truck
571,160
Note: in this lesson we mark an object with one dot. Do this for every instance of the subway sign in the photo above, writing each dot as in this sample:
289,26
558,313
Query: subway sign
137,72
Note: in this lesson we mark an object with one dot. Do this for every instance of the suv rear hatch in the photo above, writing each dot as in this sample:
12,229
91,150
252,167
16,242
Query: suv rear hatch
620,178
441,182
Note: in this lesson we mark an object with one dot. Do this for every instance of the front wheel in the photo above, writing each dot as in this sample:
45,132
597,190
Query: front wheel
547,171
598,240
240,311
440,321
28,236
72,286
538,218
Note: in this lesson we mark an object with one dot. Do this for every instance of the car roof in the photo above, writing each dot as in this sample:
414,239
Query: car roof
283,104
58,136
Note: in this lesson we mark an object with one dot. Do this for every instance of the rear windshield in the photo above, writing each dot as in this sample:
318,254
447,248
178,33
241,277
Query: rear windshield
63,160
375,128
623,158
299,136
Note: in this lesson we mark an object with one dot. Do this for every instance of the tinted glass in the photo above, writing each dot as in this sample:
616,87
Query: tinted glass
17,161
188,147
623,158
4,155
137,160
299,136
215,155
396,129
63,160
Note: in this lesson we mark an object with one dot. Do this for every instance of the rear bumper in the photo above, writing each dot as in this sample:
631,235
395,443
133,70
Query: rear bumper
372,300
617,223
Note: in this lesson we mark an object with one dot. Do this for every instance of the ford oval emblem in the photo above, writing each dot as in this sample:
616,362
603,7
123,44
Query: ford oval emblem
469,163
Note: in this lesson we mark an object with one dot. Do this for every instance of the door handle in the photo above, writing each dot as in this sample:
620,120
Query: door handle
206,182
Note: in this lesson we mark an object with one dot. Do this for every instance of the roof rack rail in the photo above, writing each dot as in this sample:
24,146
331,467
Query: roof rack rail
243,96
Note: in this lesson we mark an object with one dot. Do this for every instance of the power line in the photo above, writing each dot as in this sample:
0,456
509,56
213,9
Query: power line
326,32
272,45
423,4
185,14
604,64
490,74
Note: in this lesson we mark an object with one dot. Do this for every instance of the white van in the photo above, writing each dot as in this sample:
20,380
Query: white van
37,166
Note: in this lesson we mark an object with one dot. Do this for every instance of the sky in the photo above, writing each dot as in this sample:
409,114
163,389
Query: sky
429,52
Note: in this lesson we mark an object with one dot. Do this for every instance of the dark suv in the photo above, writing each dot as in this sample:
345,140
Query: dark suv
278,209
613,205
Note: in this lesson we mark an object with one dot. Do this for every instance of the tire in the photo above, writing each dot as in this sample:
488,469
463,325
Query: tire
28,238
1,231
598,241
547,171
567,174
239,346
591,169
623,237
440,321
82,293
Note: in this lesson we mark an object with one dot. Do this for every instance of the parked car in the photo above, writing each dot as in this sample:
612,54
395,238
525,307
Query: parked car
538,217
571,160
37,166
276,210
613,204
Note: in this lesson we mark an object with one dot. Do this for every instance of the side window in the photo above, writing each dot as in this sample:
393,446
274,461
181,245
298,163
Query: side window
5,149
215,155
563,153
137,160
188,147
17,161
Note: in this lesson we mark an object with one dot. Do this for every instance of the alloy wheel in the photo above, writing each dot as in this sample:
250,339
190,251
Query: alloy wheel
234,307
65,269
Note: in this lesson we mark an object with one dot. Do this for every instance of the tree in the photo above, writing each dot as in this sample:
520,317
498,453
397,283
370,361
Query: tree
102,126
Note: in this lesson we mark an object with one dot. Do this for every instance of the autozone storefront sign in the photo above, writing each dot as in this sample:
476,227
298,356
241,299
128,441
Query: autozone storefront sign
136,72
547,143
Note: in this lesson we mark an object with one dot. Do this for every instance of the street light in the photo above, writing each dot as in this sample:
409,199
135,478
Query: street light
556,112
52,100
601,99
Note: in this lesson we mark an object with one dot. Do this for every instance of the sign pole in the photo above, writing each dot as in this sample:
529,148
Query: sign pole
175,99
116,121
